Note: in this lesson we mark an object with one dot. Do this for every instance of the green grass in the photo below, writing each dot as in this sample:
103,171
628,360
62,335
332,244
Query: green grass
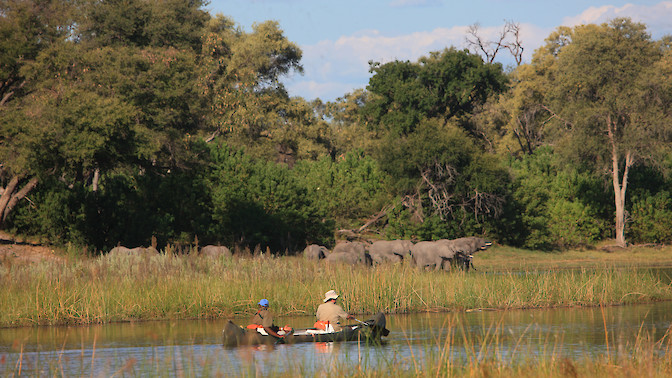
101,290
507,258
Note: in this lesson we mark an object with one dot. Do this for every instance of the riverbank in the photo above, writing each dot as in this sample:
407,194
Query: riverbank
101,290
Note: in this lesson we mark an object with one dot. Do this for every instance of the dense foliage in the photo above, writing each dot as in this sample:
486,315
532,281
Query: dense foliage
128,121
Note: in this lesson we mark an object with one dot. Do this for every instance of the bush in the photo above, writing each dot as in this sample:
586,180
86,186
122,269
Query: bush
561,207
651,218
264,204
349,189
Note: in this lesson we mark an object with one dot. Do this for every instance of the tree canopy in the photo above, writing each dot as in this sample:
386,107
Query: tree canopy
127,121
600,88
447,84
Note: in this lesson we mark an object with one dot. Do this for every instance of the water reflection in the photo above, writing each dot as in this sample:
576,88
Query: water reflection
194,347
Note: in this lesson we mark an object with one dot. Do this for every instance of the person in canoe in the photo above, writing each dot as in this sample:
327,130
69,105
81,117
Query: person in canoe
263,321
330,314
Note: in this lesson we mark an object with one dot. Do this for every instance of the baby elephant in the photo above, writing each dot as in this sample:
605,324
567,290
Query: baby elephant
215,251
315,252
349,258
138,251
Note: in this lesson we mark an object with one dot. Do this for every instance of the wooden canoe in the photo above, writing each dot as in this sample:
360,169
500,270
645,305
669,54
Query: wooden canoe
370,331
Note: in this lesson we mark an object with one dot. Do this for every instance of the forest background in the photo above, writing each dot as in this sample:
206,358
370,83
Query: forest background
127,121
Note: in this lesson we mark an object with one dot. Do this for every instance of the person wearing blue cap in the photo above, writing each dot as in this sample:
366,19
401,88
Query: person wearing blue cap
263,320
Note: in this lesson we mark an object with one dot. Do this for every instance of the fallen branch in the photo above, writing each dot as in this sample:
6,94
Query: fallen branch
354,233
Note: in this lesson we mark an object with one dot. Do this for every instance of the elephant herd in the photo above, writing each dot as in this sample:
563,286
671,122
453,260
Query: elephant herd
437,255
213,251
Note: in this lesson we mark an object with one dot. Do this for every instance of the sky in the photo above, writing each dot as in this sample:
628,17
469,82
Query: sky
338,38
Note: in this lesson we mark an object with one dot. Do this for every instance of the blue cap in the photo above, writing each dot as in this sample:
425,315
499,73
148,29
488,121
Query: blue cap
263,302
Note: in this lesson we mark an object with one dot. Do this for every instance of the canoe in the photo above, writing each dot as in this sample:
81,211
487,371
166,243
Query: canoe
370,331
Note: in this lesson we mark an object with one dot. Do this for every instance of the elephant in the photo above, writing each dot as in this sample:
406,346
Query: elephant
469,245
462,261
395,251
431,254
348,258
356,248
465,248
315,252
138,251
351,247
215,251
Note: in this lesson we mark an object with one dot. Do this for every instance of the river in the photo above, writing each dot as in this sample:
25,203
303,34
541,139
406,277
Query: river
194,347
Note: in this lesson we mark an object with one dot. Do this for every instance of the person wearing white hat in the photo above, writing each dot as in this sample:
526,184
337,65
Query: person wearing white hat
330,312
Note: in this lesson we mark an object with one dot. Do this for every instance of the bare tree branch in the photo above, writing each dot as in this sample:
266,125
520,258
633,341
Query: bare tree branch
507,39
10,92
515,46
439,177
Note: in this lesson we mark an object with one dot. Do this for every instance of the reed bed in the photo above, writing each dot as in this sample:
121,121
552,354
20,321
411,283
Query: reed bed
111,289
643,357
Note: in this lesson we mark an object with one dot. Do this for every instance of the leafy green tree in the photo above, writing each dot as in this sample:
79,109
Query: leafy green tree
421,113
515,121
241,78
144,23
440,172
90,108
650,204
348,129
651,217
446,84
609,110
26,29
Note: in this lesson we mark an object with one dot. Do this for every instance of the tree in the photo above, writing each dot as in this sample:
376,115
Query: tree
515,122
241,78
610,112
261,203
344,116
426,143
560,206
349,188
92,104
26,29
443,179
144,23
446,84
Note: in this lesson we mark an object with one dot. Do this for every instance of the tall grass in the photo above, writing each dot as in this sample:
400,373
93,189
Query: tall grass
112,289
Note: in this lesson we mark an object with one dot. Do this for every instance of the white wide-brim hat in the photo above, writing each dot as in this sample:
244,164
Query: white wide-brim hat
331,294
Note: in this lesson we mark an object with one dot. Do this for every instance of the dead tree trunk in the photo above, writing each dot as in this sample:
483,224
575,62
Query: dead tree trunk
7,194
620,184
10,197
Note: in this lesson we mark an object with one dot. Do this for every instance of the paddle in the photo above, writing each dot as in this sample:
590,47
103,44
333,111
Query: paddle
281,340
364,323
385,331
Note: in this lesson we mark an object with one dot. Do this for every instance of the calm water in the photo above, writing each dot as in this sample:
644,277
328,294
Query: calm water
193,347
